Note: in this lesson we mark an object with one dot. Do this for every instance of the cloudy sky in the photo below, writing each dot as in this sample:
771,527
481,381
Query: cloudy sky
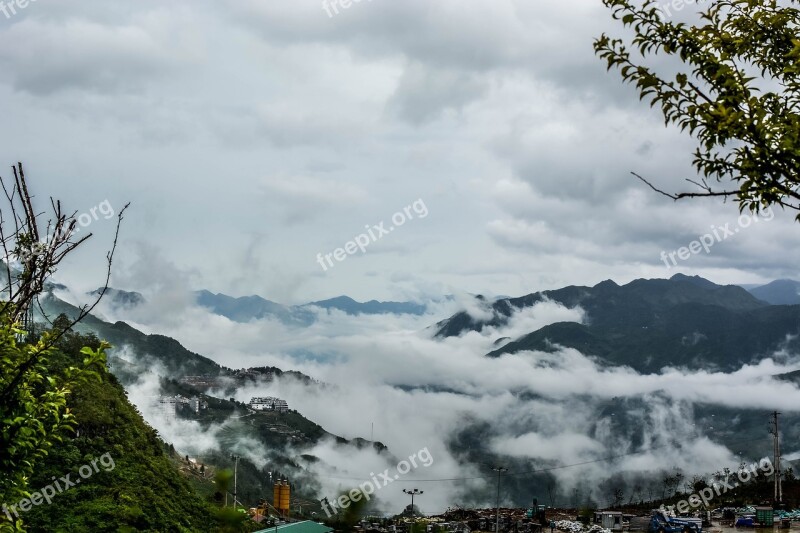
253,135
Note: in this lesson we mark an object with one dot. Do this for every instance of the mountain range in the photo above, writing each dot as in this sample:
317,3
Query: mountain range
247,308
646,324
277,434
649,324
255,307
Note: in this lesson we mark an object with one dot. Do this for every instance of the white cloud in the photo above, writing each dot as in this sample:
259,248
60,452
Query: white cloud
386,373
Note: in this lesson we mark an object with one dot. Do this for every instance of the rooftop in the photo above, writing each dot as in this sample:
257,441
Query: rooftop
299,527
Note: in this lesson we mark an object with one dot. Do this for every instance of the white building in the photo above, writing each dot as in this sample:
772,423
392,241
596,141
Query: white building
169,405
269,403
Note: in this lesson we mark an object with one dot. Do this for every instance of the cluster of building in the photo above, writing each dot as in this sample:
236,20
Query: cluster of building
207,381
431,526
466,520
201,382
457,521
254,374
268,403
170,405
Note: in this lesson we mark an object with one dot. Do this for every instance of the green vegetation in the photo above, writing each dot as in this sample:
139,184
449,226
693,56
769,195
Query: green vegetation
144,490
167,351
33,406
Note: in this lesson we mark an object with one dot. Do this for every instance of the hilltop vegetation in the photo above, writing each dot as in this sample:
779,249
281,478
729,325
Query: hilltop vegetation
142,491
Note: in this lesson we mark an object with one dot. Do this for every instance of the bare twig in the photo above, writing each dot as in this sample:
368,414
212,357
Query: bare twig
39,262
659,191
83,313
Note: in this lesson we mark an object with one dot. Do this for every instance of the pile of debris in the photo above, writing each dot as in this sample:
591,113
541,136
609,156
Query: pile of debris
569,526
576,527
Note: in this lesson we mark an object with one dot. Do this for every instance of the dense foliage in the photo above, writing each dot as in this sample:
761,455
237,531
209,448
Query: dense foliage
34,415
136,486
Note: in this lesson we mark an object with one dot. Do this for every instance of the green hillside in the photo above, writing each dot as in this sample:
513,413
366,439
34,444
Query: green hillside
133,486
281,441
169,352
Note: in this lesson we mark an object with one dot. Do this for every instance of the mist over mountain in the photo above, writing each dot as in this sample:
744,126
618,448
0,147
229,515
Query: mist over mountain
153,367
372,307
116,297
649,324
246,308
675,373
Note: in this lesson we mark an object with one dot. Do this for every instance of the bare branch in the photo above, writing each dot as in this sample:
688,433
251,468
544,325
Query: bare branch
659,191
708,192
39,260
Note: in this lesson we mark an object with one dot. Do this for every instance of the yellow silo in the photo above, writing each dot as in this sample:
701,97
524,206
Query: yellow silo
284,498
276,495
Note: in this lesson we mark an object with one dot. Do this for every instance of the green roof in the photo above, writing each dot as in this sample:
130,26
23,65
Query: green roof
299,527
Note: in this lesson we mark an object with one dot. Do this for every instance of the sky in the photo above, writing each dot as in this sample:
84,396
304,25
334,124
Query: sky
253,137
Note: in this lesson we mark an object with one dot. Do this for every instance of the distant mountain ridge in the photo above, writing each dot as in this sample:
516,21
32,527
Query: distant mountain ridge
778,292
176,360
649,324
372,307
247,308
254,307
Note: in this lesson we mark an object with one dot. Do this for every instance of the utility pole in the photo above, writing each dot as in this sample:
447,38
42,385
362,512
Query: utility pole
235,469
499,470
413,492
776,447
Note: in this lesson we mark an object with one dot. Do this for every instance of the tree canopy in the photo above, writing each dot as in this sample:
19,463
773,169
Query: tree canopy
735,90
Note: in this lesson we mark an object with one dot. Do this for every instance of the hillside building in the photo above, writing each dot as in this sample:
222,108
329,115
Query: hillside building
169,405
269,403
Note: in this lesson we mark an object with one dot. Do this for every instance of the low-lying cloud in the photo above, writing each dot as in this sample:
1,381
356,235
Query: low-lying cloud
387,377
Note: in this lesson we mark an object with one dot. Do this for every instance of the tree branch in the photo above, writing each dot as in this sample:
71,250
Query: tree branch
679,196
